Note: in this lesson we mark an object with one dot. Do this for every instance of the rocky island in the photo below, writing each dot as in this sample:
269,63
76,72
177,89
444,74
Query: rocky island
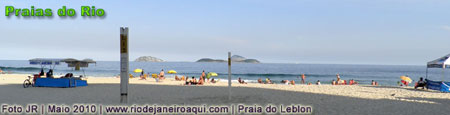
234,58
148,59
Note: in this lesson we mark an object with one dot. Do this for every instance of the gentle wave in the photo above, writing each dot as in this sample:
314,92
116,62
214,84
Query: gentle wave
20,68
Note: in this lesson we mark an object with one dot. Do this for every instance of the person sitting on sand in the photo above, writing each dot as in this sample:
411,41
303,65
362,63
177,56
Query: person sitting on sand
68,75
373,82
309,83
213,81
176,78
50,73
194,81
292,82
338,77
318,82
354,82
40,73
161,74
200,81
188,82
241,81
333,82
286,82
260,81
376,83
268,81
183,78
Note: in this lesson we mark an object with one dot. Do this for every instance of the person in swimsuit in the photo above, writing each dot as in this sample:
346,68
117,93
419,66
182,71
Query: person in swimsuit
303,78
161,74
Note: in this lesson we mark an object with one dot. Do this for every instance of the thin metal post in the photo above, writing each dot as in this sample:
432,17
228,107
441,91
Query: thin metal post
124,64
229,75
443,73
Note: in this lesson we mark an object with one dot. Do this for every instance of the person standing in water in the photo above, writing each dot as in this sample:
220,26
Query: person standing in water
203,75
303,78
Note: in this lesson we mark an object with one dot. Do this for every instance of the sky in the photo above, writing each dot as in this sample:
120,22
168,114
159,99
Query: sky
394,32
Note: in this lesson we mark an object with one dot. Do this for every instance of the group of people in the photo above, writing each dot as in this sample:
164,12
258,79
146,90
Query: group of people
158,77
421,83
374,83
203,79
5,72
193,81
49,74
339,81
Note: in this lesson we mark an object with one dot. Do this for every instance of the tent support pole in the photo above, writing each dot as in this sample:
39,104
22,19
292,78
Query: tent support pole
443,74
229,76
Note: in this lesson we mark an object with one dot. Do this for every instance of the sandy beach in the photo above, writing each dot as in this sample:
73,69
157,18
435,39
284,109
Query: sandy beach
325,99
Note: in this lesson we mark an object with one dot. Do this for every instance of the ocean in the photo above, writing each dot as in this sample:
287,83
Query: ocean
364,74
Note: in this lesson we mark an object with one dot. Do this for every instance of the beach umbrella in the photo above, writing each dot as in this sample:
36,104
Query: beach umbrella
211,74
405,78
137,70
172,72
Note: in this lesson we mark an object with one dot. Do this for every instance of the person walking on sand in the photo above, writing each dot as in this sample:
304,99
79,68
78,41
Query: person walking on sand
303,78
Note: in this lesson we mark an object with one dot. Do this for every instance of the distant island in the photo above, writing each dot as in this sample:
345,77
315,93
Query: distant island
148,59
234,58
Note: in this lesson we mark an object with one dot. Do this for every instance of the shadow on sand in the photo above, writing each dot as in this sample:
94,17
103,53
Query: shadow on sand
108,94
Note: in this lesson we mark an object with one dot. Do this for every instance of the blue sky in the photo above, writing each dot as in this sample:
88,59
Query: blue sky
274,31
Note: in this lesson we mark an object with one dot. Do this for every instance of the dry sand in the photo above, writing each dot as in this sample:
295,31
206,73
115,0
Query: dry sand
325,99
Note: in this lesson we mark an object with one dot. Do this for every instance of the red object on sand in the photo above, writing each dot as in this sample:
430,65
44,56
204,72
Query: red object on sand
404,82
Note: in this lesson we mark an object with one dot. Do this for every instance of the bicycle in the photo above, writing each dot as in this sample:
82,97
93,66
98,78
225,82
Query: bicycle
28,82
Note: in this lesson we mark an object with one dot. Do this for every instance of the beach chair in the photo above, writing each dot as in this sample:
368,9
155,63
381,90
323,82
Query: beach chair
156,77
144,77
131,75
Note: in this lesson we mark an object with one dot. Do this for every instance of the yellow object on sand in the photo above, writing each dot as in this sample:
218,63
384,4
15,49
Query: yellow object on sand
154,75
145,75
405,78
137,70
131,76
172,72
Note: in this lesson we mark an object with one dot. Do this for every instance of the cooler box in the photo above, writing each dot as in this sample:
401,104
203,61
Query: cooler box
60,82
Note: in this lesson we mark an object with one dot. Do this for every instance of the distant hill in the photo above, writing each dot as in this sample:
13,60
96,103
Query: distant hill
148,59
210,60
234,58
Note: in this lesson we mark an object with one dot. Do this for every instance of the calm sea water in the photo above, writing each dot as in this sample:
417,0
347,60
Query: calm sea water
384,74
